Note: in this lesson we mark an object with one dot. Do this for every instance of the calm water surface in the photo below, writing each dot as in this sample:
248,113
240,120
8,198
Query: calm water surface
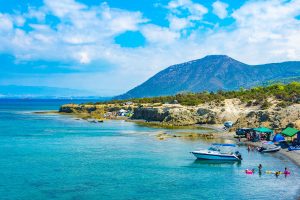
58,157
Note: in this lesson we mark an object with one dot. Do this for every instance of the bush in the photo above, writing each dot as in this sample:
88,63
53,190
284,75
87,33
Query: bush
289,93
249,103
265,105
283,104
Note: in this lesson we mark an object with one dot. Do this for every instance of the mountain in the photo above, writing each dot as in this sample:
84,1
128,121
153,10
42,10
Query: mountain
212,73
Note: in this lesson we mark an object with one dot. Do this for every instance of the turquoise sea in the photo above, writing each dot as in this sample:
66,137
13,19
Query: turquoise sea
48,156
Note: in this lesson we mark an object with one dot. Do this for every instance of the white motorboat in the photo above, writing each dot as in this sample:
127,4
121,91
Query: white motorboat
218,152
268,147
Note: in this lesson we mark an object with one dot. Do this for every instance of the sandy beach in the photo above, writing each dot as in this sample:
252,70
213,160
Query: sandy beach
292,155
220,133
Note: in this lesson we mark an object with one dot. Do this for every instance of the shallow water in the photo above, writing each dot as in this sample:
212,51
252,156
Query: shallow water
58,157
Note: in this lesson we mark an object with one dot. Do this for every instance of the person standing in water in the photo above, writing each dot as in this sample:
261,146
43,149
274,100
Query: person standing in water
286,172
259,168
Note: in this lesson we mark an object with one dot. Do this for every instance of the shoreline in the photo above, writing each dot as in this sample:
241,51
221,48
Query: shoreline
156,124
216,133
294,156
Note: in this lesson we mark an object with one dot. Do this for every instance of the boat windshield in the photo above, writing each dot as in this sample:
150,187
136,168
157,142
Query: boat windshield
224,149
213,148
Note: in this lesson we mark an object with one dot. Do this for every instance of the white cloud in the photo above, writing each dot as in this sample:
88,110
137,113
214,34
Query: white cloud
177,6
220,9
38,14
80,27
84,57
262,31
177,23
197,11
120,21
19,20
184,13
159,35
62,8
6,23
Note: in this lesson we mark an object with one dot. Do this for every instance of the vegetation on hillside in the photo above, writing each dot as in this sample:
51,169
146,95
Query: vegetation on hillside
286,93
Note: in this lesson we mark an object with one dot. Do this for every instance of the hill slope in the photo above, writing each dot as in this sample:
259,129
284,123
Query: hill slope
212,73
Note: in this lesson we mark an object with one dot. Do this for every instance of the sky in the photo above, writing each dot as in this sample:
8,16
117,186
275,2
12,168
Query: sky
109,47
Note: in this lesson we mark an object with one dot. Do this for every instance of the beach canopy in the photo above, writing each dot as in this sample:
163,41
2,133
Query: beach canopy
278,137
263,130
224,145
290,132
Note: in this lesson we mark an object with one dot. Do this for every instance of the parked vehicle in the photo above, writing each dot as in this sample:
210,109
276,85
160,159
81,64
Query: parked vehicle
228,124
243,131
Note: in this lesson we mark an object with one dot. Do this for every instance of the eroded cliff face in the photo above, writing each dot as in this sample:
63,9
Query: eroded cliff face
229,110
275,118
177,115
150,114
211,113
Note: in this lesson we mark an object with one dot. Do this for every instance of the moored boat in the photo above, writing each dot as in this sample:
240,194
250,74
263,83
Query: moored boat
218,152
268,147
294,148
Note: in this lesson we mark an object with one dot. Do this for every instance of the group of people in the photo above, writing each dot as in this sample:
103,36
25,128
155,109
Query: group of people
277,173
285,172
250,148
254,136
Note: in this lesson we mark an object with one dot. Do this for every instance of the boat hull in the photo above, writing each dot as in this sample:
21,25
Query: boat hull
262,150
204,156
294,148
270,150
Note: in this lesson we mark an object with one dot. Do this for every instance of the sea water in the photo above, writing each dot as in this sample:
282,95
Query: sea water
50,156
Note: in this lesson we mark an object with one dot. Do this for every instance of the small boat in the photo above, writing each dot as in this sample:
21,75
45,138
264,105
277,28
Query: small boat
268,147
218,152
294,148
92,120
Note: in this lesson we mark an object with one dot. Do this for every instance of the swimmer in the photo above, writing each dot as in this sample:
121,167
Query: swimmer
259,167
286,171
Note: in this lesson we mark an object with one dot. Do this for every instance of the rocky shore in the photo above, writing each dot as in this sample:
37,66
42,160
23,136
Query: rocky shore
215,113
241,114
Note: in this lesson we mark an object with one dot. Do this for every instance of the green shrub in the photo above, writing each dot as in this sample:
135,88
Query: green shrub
265,105
283,104
289,93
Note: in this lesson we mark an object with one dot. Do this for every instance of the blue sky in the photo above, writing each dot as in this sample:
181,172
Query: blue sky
108,47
